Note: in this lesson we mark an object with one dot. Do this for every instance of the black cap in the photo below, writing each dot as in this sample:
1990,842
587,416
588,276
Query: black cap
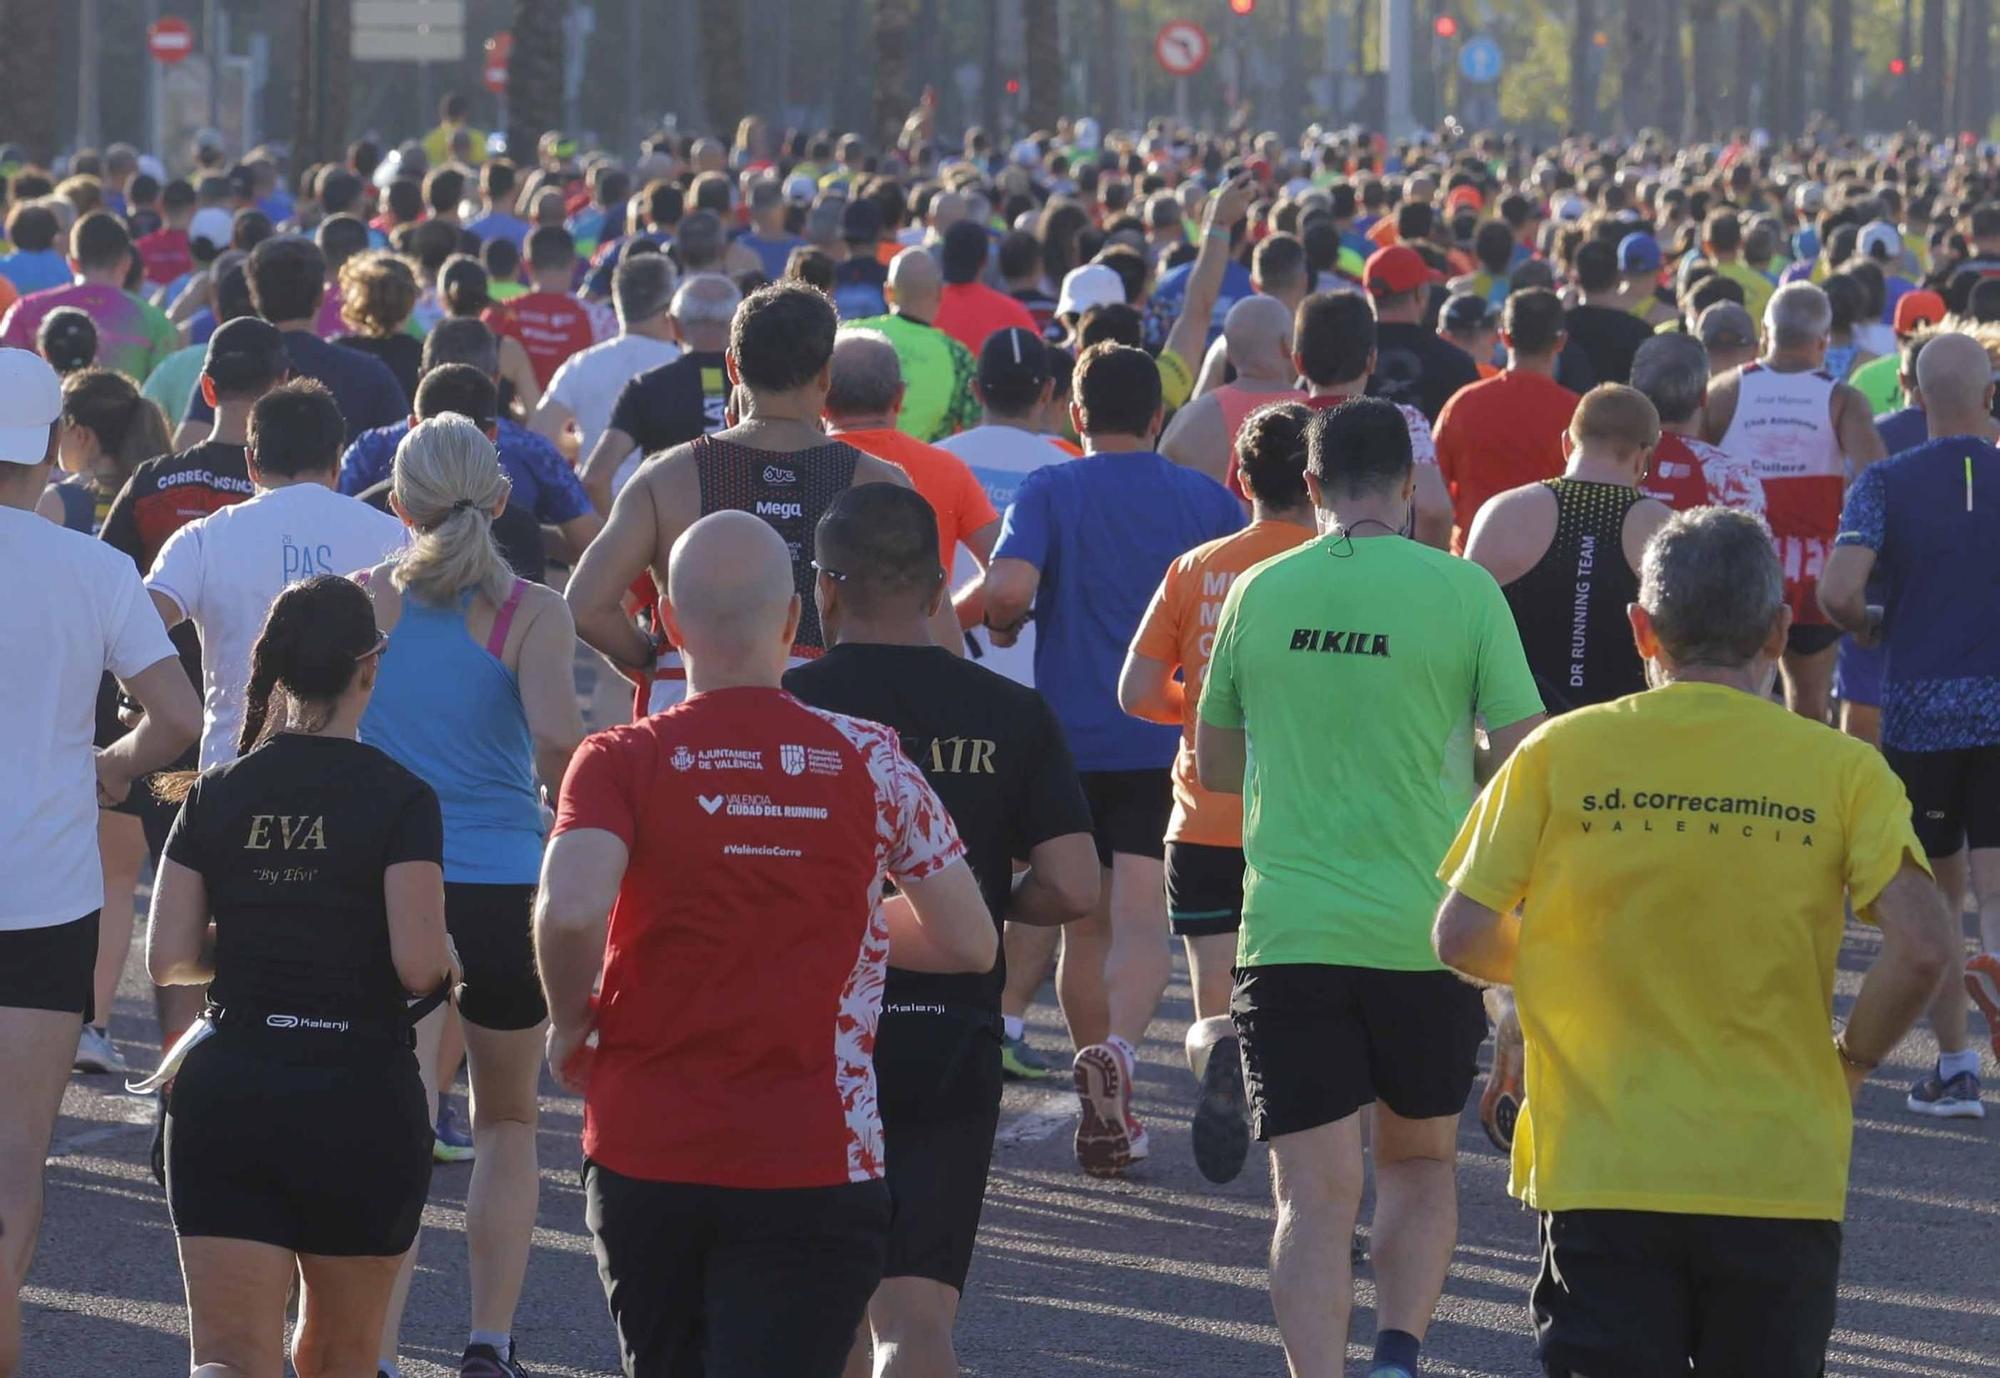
243,181
247,352
67,339
861,221
1013,362
1469,311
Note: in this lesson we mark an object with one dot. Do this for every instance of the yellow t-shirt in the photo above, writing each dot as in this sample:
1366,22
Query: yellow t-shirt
1681,856
1757,288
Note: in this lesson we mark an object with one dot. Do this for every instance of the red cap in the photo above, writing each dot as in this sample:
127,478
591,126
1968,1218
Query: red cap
1464,196
1915,310
1395,270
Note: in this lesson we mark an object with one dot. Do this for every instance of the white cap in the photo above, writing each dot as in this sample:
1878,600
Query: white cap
1809,197
153,167
30,402
1570,208
800,189
1879,239
214,224
1094,284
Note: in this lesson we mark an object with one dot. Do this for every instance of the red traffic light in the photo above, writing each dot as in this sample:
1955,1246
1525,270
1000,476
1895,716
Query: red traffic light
1897,66
1446,26
1242,6
1013,86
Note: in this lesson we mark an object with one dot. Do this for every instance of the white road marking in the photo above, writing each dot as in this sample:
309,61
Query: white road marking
1049,1117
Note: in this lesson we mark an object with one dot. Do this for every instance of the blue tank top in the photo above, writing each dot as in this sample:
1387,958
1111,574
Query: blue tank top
449,710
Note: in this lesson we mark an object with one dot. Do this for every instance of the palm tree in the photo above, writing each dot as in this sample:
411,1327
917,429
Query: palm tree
320,93
30,76
1704,106
1583,66
1640,83
534,76
1839,101
1791,116
1928,109
893,97
1045,64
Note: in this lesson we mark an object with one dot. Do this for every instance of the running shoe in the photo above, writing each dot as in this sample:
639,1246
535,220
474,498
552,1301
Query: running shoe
1020,1062
454,1141
96,1053
1108,1138
1957,1099
484,1361
1221,1129
1982,983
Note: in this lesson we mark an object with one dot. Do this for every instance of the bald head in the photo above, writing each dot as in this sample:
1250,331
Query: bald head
867,377
731,600
916,283
1956,379
1258,331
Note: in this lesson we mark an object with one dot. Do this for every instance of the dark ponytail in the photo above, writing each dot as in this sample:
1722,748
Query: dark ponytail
315,637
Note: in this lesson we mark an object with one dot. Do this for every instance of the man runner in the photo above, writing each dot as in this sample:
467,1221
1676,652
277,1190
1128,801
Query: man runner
1687,471
1202,435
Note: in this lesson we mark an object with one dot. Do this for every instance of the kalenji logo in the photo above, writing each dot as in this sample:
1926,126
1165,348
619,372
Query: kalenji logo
682,759
793,759
781,510
773,474
282,1021
710,802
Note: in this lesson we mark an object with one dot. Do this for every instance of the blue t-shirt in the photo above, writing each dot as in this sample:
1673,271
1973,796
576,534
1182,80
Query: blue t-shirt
36,270
1903,430
1171,292
364,389
774,253
1102,530
499,225
543,481
1932,517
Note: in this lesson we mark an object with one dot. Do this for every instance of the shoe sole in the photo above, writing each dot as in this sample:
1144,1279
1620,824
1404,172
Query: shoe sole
1221,1128
1948,1109
1985,995
1103,1144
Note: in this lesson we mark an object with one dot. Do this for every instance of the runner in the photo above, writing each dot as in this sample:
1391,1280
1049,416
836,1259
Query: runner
1917,523
222,571
1729,335
1204,840
315,858
1878,380
1722,243
1507,431
1081,548
767,236
1413,366
776,462
996,757
1805,434
1566,552
548,320
1472,323
673,403
937,369
1257,333
1601,327
587,387
1657,1254
476,697
133,337
81,609
747,1238
1385,651
968,310
1687,472
496,218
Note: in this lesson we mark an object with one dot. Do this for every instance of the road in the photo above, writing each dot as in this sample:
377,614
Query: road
1075,1278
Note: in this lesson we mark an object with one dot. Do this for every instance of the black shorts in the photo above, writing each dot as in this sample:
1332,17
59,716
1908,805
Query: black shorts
1204,889
1809,639
1641,1294
731,1281
315,1142
492,926
1319,1042
51,968
938,1075
1129,810
156,817
1954,796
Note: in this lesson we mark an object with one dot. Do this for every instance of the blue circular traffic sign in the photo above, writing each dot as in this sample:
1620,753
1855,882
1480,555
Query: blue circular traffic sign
1480,59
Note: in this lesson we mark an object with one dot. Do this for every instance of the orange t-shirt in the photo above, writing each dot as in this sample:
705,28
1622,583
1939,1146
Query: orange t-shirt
1179,631
945,481
1497,434
1066,445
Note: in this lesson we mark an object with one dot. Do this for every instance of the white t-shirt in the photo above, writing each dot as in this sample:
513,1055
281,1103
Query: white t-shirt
225,570
74,609
589,382
1000,457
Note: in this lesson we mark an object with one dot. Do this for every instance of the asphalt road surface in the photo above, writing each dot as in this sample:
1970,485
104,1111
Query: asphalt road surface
1075,1278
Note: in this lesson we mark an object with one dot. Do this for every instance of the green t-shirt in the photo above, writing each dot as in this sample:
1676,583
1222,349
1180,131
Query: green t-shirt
1880,381
938,399
173,380
1356,667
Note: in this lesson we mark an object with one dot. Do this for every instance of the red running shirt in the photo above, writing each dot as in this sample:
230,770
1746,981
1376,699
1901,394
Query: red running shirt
550,327
746,955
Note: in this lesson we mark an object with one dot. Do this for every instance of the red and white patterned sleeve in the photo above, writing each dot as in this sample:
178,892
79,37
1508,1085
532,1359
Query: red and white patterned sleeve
1423,446
921,837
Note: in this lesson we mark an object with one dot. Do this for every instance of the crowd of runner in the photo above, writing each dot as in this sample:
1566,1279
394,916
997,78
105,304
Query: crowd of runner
1458,587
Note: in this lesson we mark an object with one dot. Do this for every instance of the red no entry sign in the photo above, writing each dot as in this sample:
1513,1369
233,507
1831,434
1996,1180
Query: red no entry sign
170,40
1181,47
499,48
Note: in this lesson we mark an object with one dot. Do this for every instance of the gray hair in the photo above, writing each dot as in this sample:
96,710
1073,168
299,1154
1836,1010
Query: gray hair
447,477
1710,581
1672,370
705,299
867,375
1798,317
641,287
462,341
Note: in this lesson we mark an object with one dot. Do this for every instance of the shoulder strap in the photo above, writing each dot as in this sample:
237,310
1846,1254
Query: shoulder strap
496,640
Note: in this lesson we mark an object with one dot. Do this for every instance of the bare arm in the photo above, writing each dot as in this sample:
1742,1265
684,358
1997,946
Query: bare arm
179,951
548,690
580,880
170,724
1009,589
1642,522
516,369
969,603
414,891
1196,439
1918,938
623,551
1720,409
1843,592
1220,755
572,538
1501,741
600,467
1852,423
941,924
1226,209
1214,368
551,419
1476,941
1060,884
1432,526
1147,689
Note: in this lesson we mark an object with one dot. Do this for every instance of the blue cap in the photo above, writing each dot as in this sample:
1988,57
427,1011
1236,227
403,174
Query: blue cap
1638,252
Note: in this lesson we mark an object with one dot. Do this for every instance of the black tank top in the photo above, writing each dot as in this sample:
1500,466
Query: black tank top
790,490
1570,608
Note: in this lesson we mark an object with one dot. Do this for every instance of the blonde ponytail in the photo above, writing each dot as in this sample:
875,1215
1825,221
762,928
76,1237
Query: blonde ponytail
448,480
